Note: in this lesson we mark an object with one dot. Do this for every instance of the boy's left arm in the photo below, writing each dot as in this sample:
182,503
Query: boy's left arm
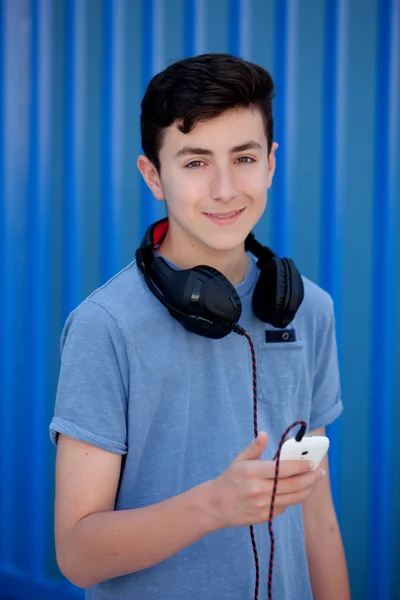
325,553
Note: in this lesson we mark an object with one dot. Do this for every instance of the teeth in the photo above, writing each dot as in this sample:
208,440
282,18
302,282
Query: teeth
225,216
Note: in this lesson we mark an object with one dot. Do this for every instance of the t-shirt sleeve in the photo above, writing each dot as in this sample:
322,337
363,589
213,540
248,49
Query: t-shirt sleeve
91,399
327,402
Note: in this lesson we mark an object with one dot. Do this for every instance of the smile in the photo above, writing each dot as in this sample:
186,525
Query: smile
225,218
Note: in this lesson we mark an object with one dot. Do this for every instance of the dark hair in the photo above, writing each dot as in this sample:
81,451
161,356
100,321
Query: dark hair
200,88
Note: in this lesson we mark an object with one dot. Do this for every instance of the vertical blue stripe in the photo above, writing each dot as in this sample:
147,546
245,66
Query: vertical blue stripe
147,207
108,213
382,387
291,116
330,224
8,308
245,29
39,271
200,27
239,28
331,194
73,155
189,23
4,515
159,63
234,27
35,271
159,15
279,213
394,193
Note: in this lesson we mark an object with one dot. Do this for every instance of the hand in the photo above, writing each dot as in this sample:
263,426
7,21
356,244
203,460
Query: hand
242,494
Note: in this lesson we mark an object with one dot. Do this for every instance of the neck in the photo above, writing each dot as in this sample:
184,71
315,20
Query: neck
233,264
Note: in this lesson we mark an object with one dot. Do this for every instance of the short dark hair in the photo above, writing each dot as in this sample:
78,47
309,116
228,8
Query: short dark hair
200,88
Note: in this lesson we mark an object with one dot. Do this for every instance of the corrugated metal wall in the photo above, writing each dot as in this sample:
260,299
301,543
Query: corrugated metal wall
72,73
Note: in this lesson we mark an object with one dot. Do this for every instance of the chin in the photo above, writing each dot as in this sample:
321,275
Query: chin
226,242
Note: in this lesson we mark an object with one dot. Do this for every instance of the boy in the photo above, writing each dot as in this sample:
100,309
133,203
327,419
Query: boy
157,477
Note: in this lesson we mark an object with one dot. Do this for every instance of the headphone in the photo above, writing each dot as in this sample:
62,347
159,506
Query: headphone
205,302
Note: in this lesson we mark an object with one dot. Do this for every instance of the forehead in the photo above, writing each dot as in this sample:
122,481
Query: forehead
219,134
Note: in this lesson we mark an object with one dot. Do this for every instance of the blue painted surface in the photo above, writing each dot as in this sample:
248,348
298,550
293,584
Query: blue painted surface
14,143
332,194
38,235
383,463
74,158
280,70
394,186
73,207
3,304
112,85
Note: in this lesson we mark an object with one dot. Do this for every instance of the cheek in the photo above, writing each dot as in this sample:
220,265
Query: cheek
183,191
254,184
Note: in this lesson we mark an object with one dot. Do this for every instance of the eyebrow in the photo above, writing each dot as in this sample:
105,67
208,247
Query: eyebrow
189,150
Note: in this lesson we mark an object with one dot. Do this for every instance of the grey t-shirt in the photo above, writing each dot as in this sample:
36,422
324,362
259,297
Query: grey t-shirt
180,408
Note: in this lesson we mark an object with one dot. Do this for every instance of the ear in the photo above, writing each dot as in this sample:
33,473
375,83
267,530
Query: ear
271,163
151,176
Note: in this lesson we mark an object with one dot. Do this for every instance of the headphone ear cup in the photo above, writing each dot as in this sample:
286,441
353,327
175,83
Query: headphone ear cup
231,294
279,292
264,295
282,281
294,292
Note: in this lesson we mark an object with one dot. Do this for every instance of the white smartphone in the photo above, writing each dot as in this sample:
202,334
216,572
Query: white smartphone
311,447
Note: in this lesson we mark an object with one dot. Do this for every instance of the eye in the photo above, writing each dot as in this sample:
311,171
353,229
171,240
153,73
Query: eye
245,160
195,164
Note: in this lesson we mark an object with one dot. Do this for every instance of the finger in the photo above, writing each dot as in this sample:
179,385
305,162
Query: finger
286,500
255,449
298,483
288,468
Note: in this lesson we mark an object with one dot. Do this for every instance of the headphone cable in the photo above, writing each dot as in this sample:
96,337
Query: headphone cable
240,331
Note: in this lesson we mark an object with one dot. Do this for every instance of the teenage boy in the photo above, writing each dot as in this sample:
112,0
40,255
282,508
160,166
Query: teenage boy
157,477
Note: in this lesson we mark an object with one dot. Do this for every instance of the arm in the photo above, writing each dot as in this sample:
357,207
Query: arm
326,559
94,542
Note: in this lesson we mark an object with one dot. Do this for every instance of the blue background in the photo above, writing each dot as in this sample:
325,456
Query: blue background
73,209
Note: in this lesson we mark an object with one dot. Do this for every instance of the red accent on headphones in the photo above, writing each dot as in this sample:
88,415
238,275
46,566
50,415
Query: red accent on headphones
159,232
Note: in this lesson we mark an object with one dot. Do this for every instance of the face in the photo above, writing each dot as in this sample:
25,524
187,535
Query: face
214,180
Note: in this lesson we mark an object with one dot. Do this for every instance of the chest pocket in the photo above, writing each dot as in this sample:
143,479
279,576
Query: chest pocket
282,375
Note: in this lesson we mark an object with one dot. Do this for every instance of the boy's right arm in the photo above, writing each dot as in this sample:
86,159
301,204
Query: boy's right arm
95,543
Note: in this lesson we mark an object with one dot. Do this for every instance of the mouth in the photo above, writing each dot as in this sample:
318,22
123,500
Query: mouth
225,218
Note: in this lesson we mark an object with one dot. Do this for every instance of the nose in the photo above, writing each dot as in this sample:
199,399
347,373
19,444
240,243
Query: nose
223,186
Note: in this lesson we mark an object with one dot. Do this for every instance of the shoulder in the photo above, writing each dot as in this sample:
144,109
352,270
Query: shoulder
123,292
316,299
116,305
316,314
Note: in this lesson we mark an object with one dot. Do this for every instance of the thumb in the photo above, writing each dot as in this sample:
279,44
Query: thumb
255,449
